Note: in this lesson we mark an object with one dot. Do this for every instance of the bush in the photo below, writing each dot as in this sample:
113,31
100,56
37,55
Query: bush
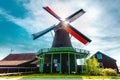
108,72
92,66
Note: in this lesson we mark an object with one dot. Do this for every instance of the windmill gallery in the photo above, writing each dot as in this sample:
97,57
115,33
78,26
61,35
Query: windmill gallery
61,57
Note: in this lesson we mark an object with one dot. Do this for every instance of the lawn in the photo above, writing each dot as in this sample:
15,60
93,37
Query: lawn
60,76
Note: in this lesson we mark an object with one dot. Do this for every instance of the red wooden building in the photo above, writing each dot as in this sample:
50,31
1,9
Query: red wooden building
106,61
25,62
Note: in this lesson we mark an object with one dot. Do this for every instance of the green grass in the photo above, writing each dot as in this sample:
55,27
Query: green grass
60,76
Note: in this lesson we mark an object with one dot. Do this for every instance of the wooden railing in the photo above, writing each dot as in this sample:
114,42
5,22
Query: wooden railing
63,49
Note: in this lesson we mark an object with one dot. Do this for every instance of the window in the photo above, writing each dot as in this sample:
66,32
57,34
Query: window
101,64
99,56
47,65
55,61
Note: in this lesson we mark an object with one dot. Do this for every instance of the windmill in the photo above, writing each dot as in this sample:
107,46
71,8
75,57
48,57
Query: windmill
61,43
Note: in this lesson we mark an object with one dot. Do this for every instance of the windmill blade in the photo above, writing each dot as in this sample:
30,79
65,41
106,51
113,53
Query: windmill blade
78,35
74,16
52,12
39,34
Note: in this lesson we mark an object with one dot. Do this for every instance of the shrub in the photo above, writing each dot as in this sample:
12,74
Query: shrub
92,65
108,72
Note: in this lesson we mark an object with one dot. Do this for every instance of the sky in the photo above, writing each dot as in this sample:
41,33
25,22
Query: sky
21,18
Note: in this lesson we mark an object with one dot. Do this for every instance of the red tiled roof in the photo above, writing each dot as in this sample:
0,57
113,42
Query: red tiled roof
17,57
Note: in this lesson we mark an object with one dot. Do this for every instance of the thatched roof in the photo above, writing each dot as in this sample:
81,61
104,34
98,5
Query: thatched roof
22,56
17,59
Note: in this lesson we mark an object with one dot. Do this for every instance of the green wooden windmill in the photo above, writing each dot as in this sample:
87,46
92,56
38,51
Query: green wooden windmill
61,57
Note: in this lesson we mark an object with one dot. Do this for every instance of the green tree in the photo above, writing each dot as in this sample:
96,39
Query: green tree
92,66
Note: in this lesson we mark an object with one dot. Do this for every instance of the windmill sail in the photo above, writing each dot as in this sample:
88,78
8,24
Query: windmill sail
52,12
39,34
78,35
74,16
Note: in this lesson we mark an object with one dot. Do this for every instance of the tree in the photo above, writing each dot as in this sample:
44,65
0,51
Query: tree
92,66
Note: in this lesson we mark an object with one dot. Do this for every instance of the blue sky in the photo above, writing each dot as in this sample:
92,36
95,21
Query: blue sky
21,18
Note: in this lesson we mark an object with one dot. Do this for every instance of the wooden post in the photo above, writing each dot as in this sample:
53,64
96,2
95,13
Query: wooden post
60,63
68,63
75,63
82,66
51,62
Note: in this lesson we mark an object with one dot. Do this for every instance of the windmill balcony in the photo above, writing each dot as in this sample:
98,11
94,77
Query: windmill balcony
63,50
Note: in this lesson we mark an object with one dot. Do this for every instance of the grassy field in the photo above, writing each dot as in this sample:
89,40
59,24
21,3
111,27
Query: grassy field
59,76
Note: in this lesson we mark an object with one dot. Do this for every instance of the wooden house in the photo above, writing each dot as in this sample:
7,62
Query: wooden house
105,61
24,62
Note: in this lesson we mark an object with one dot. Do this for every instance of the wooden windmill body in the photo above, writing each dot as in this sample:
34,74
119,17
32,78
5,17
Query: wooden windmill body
61,57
